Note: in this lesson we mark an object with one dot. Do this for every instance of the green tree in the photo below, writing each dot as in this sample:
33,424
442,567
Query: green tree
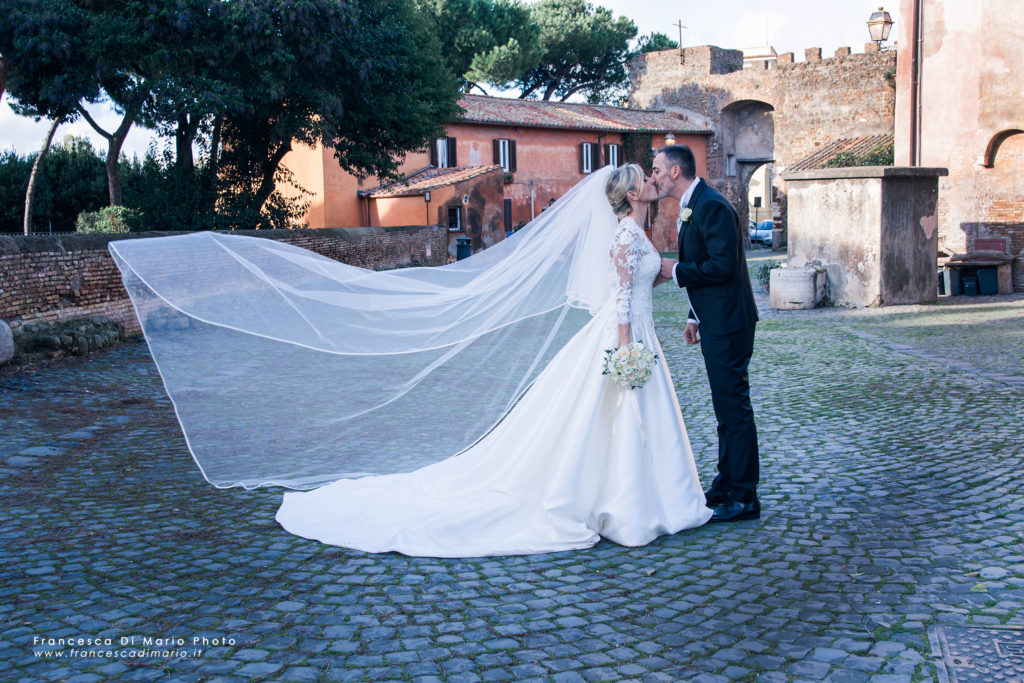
365,78
485,41
64,55
582,49
71,181
654,42
36,37
14,172
154,186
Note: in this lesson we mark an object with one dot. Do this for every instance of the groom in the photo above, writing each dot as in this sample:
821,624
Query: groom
713,269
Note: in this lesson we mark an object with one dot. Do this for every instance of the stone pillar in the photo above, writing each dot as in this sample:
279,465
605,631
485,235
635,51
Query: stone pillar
874,229
843,52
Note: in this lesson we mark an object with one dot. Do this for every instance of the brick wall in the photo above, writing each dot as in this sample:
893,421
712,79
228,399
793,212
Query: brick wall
51,278
813,102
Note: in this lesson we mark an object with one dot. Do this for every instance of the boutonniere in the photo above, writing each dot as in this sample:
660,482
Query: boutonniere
684,214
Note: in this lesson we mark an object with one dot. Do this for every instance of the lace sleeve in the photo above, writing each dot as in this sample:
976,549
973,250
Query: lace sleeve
625,253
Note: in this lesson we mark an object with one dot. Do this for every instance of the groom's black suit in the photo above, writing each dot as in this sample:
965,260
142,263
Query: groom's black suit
713,268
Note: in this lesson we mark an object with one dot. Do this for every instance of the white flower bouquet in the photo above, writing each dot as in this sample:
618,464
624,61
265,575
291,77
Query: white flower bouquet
630,366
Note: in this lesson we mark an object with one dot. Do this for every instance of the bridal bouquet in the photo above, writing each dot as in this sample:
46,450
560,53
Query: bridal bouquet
630,366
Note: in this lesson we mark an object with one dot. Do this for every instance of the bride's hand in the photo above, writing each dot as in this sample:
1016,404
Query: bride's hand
660,279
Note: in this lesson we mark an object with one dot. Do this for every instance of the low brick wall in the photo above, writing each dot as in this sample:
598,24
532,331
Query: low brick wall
56,277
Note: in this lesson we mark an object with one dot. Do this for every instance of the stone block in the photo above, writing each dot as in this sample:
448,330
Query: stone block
812,54
797,288
873,228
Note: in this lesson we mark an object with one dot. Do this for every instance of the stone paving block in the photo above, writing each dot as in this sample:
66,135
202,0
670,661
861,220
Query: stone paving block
300,673
852,562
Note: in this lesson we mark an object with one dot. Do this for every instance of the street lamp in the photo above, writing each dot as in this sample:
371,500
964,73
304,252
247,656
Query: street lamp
670,139
879,26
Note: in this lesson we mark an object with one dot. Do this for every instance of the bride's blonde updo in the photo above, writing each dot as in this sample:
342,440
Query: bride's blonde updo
622,181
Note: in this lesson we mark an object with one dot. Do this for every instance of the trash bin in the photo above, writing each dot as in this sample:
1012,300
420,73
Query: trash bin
463,248
988,282
970,285
942,281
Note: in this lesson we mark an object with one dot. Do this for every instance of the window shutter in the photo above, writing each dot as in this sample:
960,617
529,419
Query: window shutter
497,151
607,155
433,153
511,156
452,162
582,152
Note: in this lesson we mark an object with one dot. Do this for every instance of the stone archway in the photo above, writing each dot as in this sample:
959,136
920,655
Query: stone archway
989,159
748,142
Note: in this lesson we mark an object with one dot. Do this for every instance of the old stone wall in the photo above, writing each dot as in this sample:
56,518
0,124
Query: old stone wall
53,278
965,114
782,113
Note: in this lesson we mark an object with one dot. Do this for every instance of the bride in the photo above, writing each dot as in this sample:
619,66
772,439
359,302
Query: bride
355,386
578,458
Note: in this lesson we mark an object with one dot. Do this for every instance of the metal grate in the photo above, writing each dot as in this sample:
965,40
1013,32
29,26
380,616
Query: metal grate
966,654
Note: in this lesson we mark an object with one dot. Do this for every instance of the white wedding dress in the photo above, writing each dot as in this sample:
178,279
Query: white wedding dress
576,459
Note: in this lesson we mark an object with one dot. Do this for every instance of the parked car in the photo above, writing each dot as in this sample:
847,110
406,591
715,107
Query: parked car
761,233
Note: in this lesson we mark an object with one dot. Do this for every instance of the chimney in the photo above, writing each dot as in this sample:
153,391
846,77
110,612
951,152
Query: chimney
812,54
843,52
786,58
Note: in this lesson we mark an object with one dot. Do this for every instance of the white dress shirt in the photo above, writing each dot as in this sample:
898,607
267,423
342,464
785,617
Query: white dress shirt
679,228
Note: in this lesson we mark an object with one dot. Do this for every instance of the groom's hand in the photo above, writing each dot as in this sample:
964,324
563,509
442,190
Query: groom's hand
660,279
667,266
690,335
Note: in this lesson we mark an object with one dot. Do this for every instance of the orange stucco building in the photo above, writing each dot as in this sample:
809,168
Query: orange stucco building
499,166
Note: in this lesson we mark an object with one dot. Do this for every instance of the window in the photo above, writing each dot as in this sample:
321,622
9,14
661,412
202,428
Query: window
587,157
611,154
730,165
454,219
505,154
442,153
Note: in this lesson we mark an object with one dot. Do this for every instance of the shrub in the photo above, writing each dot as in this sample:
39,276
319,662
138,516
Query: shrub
764,271
882,155
109,220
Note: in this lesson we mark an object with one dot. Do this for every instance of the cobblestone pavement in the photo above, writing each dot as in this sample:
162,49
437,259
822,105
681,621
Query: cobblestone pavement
892,491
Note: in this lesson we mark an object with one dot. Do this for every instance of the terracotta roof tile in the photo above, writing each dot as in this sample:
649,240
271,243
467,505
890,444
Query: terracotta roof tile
427,179
858,146
541,114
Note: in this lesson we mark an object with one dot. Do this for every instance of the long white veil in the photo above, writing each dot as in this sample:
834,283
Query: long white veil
289,368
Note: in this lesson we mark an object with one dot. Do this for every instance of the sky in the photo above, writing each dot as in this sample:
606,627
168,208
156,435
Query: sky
787,25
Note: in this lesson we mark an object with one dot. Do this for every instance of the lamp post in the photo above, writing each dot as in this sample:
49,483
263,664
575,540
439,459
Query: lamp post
670,139
879,25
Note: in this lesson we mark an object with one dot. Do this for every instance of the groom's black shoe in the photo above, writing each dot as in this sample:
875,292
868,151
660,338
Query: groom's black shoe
715,498
734,511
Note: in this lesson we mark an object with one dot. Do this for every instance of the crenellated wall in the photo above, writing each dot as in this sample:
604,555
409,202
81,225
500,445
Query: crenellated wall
782,113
